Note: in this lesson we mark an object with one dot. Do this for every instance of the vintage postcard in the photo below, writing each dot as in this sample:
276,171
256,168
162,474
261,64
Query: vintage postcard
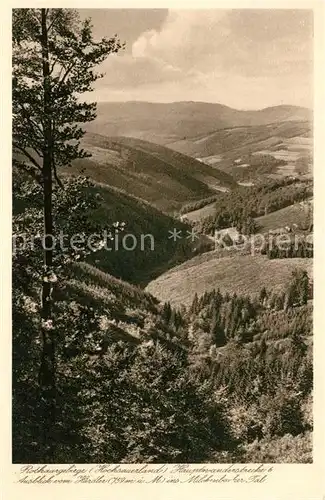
162,187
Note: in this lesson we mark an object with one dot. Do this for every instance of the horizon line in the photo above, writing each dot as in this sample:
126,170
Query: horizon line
133,101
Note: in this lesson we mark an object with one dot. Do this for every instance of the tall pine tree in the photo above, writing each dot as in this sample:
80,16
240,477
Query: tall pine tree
54,56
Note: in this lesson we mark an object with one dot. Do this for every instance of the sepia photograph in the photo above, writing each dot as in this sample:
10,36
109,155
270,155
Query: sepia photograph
162,236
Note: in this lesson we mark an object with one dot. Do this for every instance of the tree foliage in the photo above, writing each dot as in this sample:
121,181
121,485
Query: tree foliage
50,102
53,64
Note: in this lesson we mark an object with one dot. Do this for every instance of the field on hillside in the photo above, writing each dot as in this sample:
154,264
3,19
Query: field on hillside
277,150
236,141
252,201
242,275
214,134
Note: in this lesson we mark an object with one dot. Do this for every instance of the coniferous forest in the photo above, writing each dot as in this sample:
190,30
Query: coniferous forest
102,370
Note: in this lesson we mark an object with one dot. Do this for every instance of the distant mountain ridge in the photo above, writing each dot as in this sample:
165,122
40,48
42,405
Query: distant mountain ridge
165,123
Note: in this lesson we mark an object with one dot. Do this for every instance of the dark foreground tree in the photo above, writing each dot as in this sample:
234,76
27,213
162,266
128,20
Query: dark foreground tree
54,56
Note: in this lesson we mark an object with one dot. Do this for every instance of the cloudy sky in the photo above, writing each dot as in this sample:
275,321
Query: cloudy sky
247,59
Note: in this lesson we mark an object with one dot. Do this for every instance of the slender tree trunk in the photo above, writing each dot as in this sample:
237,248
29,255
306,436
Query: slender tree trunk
47,373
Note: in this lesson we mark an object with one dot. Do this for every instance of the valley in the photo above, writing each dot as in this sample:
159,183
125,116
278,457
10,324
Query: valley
158,175
153,253
250,153
274,142
170,178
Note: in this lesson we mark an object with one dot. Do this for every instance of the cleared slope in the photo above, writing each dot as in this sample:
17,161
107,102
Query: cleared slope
162,177
244,274
298,213
201,213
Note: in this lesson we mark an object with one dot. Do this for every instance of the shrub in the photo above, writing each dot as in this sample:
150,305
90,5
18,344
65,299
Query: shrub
285,449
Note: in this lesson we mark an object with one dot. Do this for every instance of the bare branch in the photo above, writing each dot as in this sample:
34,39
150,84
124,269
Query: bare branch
53,21
53,65
61,82
29,156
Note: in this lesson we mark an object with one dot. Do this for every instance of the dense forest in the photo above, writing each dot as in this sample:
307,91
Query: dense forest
302,248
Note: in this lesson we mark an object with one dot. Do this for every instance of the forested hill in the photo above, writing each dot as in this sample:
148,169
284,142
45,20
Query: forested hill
165,123
162,177
150,229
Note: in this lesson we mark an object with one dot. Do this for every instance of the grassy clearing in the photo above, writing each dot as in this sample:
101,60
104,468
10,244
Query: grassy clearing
298,213
241,274
201,213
